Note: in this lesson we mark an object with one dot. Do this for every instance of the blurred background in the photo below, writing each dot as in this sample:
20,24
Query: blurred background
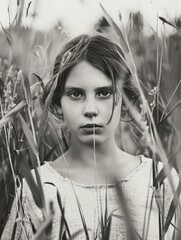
78,16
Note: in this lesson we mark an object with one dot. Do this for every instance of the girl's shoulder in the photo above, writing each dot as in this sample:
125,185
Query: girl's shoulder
48,174
52,181
162,173
141,172
147,166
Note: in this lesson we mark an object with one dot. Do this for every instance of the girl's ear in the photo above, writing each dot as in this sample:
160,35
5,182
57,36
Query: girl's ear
59,110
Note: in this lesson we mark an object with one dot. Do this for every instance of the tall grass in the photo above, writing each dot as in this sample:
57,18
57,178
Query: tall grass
30,135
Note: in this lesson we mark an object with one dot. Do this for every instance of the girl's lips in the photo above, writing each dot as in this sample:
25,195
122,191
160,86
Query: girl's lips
91,126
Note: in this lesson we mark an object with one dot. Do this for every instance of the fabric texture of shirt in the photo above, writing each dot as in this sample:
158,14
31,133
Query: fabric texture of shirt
94,201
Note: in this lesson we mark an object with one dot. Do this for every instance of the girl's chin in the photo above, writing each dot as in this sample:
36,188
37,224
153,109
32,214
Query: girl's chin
90,139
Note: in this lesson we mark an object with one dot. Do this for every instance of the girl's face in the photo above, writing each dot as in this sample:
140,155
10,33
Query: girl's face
87,105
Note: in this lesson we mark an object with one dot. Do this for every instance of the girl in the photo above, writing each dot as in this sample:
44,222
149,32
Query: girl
90,75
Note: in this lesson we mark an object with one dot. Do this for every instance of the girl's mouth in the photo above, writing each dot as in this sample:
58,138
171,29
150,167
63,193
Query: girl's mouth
91,128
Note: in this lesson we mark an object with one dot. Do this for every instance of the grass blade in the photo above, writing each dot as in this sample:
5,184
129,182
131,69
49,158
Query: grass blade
170,100
26,87
27,10
40,80
169,23
25,170
116,28
49,154
12,113
44,117
41,234
63,222
172,209
33,146
83,219
170,112
108,228
8,36
28,134
132,234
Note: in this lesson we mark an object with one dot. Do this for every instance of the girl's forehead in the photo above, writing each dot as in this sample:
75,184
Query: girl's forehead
85,75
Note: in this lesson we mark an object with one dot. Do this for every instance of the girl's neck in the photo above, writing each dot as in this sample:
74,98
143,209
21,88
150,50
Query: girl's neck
100,166
86,155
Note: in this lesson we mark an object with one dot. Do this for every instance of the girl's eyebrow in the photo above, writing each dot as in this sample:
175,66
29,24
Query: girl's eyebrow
109,87
73,89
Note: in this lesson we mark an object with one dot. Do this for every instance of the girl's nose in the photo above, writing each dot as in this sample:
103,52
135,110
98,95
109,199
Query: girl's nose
90,109
90,114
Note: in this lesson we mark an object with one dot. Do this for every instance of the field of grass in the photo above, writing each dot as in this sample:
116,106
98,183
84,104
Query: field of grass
30,135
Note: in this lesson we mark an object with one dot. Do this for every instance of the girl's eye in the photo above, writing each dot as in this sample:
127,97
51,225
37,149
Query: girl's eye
105,94
75,95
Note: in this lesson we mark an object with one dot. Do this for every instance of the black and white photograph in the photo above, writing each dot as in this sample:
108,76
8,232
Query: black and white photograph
90,119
